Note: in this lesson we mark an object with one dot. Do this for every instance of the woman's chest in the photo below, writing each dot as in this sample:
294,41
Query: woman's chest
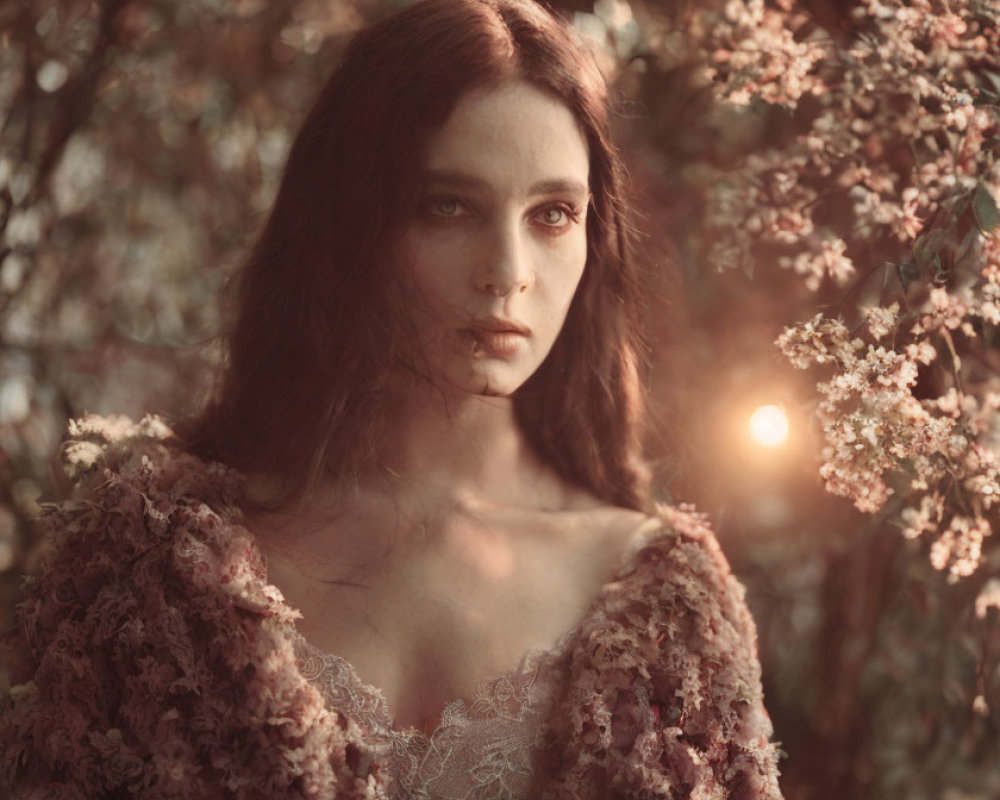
436,625
432,635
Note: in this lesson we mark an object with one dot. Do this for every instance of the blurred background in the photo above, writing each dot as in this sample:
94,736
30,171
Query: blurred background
140,146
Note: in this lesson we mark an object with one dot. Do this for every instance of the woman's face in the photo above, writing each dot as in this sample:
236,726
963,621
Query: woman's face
497,243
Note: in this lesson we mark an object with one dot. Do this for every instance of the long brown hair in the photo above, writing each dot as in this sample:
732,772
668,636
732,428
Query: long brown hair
316,325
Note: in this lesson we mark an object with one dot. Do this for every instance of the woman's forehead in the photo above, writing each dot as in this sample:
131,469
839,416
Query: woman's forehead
511,135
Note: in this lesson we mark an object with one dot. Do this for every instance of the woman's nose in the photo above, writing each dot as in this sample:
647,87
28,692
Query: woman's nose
505,266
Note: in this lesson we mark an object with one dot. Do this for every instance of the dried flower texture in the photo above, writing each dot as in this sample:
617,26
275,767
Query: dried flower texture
153,659
664,699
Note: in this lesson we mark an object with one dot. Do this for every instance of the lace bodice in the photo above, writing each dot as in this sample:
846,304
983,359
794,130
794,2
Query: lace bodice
483,750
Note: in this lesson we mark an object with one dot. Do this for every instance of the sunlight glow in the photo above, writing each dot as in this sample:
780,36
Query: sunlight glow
769,425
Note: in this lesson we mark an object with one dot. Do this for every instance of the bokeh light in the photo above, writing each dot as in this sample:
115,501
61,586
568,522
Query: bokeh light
769,425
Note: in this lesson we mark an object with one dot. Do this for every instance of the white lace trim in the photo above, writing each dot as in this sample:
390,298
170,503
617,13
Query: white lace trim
484,750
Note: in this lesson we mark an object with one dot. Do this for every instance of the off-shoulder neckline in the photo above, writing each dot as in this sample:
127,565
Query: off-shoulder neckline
651,529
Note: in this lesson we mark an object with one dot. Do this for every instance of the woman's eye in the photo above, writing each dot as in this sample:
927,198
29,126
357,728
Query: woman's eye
553,216
557,216
444,207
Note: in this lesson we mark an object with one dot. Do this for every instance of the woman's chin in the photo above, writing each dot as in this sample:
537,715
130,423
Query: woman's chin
492,380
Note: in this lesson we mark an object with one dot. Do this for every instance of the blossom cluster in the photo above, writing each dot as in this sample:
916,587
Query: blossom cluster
874,427
901,125
755,53
894,169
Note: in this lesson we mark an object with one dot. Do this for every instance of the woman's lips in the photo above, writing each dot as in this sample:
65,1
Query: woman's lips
488,343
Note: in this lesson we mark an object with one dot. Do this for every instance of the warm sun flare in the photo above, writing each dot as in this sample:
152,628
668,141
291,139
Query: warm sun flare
769,425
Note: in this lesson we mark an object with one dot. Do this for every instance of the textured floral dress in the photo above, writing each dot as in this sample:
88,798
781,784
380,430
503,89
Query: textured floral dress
152,659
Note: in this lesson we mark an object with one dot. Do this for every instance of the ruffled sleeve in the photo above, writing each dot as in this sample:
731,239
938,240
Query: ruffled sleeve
150,657
664,697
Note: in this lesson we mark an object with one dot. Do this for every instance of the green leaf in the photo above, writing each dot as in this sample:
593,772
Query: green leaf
908,273
941,275
971,236
985,208
927,246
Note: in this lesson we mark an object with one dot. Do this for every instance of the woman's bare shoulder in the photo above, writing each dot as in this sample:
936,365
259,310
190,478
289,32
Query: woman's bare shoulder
619,523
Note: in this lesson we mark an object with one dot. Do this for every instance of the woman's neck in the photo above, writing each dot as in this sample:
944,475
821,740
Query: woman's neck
437,459
460,449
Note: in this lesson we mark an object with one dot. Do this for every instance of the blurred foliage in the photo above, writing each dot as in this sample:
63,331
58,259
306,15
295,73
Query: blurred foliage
140,146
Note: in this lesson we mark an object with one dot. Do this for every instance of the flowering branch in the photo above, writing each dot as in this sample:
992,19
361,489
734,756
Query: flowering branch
896,162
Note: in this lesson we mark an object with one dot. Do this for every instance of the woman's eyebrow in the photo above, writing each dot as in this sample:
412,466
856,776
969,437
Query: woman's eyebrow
464,180
456,178
559,186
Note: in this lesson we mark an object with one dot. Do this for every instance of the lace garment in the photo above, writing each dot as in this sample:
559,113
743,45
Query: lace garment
483,750
151,658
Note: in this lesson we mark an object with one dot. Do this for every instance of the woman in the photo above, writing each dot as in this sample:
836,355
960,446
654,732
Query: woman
408,551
